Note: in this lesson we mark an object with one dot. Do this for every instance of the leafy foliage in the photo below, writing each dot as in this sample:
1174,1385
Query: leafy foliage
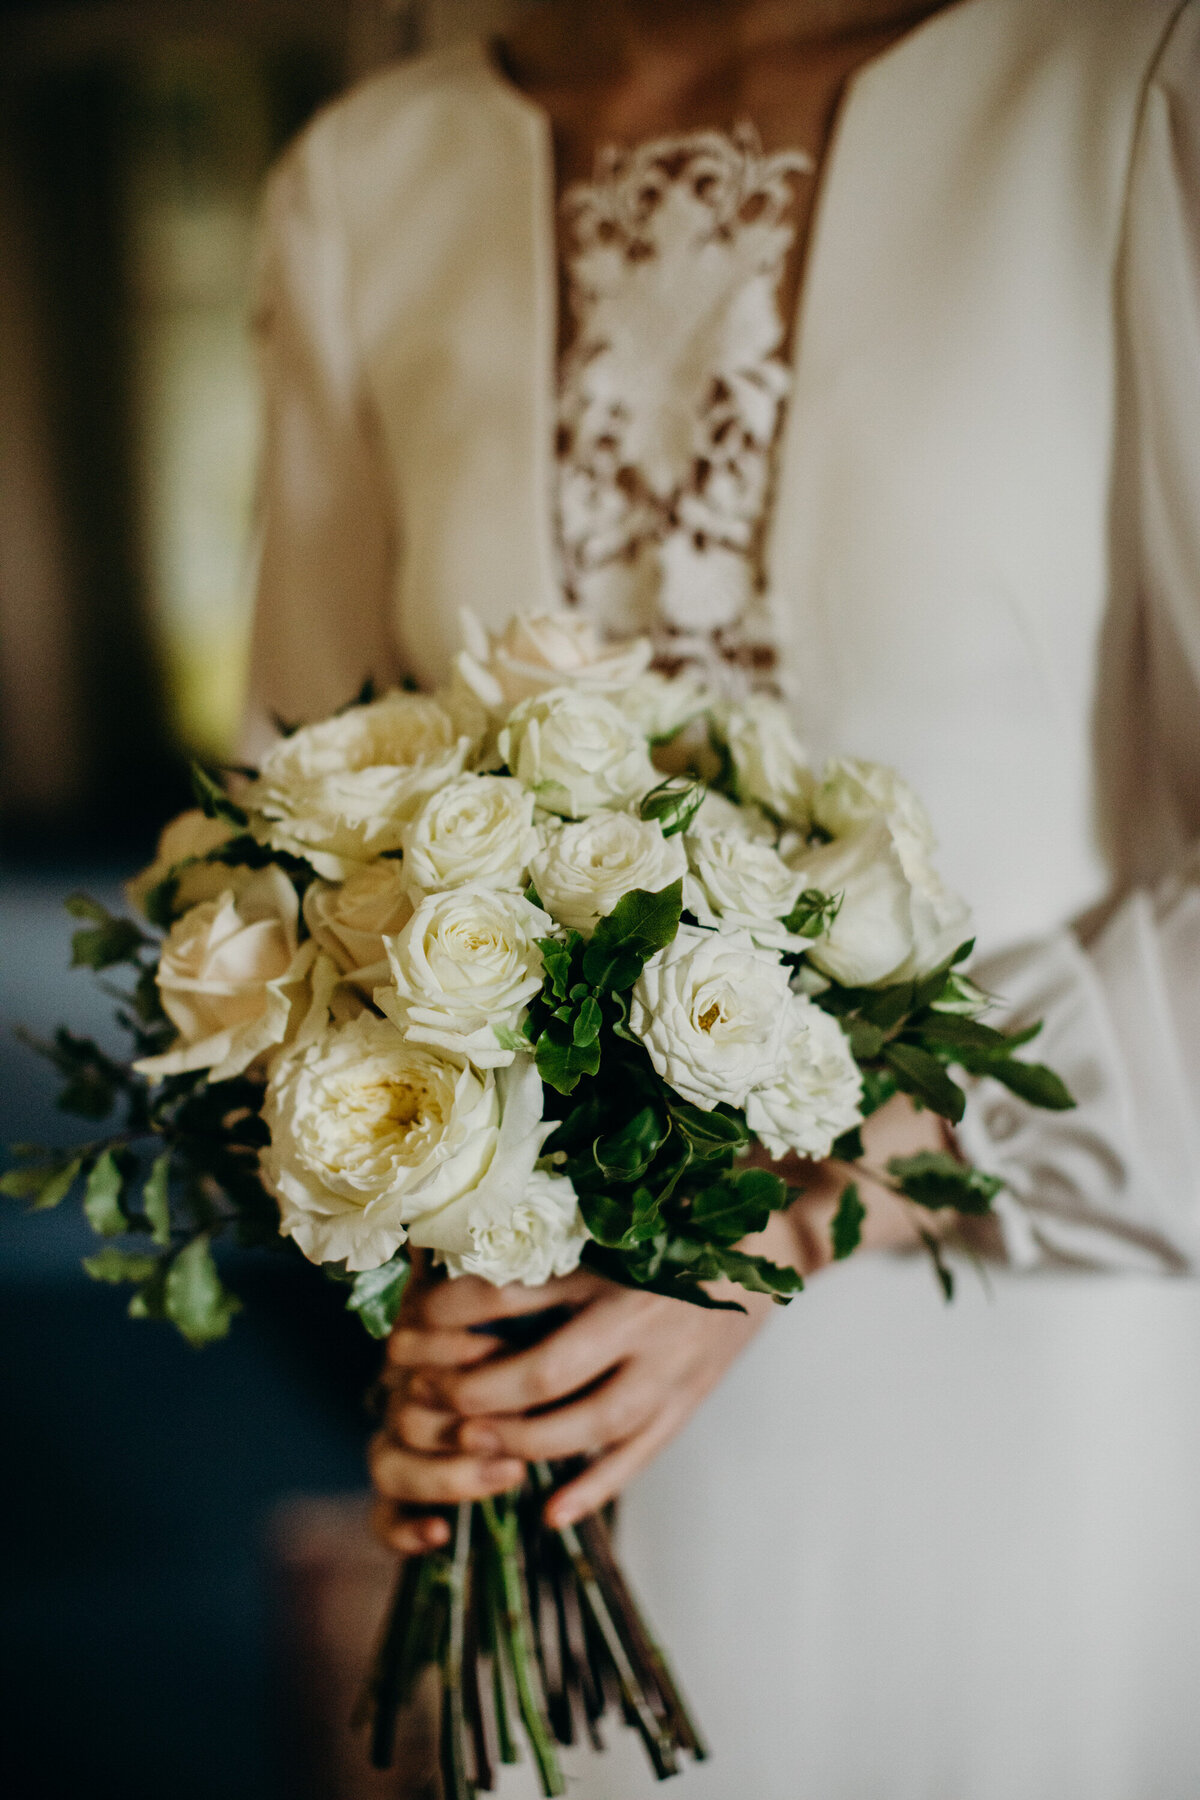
376,1295
845,1233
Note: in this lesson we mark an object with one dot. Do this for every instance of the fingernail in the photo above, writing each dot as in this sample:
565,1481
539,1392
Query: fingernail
561,1514
480,1438
435,1531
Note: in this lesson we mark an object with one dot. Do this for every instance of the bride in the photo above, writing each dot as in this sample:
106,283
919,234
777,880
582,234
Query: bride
846,348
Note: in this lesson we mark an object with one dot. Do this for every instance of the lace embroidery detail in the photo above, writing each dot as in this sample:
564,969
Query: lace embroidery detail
671,393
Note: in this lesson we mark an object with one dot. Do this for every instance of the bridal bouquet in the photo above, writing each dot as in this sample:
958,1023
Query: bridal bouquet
476,974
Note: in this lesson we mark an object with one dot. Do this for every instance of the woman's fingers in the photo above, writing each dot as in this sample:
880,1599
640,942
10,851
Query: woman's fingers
457,1305
406,1532
419,1479
417,1427
603,1479
607,1415
572,1357
411,1347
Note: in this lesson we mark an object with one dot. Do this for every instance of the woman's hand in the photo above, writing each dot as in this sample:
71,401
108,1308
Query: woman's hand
616,1381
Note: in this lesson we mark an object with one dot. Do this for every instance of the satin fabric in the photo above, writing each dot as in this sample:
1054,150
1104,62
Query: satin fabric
906,1553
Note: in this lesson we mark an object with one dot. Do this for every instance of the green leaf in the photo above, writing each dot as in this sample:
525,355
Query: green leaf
640,924
674,803
866,1041
952,1031
709,1133
935,1179
588,1021
113,1265
1033,1082
561,1063
724,1212
885,1007
102,1197
758,1275
813,913
45,1187
211,796
846,1231
944,1273
194,1298
557,958
107,940
377,1293
508,1039
156,1199
849,1147
923,1076
606,1218
625,1155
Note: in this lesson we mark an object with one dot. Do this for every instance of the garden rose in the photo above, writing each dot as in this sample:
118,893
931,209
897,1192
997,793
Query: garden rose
544,650
817,1094
661,705
710,1009
479,828
897,919
770,763
350,920
585,868
231,978
370,1133
736,884
339,793
531,1241
463,969
854,792
183,843
577,751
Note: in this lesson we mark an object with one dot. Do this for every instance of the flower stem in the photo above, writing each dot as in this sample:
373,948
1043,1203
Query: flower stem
502,1523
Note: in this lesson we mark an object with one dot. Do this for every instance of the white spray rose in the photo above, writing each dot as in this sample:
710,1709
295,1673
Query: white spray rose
818,1094
578,752
710,1009
231,978
585,868
770,763
340,793
370,1134
544,650
182,845
737,884
717,813
479,828
463,969
349,921
854,792
661,705
540,1236
897,919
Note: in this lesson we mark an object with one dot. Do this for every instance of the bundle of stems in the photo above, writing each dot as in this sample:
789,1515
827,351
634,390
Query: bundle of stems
533,1630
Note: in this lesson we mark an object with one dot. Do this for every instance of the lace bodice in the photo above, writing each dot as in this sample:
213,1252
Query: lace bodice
671,394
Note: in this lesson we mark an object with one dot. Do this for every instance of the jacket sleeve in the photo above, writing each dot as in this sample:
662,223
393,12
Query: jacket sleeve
1116,1183
326,527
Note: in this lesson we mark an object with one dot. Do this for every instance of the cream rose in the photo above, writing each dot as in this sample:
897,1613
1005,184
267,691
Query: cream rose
585,868
717,813
578,752
231,978
531,1241
544,650
818,1093
182,846
897,919
350,920
661,705
370,1134
340,793
479,828
710,1009
852,793
770,763
736,884
464,969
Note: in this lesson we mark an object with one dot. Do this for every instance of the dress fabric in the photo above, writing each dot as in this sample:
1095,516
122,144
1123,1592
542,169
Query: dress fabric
900,1552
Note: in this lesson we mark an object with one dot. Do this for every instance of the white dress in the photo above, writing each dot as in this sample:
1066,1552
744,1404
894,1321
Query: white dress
902,1551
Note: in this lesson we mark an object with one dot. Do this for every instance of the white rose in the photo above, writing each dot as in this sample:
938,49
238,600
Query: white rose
578,752
897,919
735,884
464,968
717,813
544,650
231,978
770,763
539,1237
817,1096
479,828
853,792
340,793
710,1009
350,921
586,867
661,705
369,1134
182,846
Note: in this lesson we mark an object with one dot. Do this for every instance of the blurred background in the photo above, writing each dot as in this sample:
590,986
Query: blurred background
142,1625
